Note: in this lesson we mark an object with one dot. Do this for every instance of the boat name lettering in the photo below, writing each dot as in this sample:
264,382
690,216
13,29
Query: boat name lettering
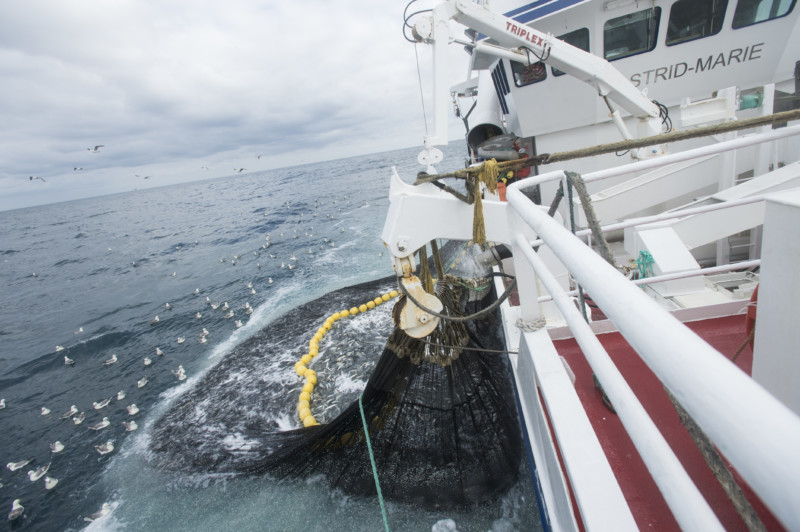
703,64
524,33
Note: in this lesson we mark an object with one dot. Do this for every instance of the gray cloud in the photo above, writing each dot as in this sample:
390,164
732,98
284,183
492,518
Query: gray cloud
184,82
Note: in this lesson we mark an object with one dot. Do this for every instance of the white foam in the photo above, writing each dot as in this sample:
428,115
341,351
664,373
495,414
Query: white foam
346,383
237,442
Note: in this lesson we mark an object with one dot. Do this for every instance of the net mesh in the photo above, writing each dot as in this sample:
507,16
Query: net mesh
443,434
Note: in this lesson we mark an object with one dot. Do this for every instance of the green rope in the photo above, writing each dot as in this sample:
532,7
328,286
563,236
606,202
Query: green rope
374,467
645,264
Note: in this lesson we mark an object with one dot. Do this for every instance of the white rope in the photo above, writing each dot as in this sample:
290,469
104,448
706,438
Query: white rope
531,326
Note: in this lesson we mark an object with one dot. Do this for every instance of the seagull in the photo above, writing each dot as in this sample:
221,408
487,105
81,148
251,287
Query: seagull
101,404
120,395
225,306
50,483
78,169
238,323
56,446
228,314
59,348
105,448
154,320
38,473
141,382
16,510
240,170
196,291
100,426
68,361
147,361
103,511
130,426
168,306
96,149
13,466
80,330
159,352
269,280
71,412
144,176
132,409
79,418
112,360
198,316
31,178
203,340
181,339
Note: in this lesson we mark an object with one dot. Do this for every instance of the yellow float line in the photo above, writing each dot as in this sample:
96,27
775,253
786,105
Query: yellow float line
310,376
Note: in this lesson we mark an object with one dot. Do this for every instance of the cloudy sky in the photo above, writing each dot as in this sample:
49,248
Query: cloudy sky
172,86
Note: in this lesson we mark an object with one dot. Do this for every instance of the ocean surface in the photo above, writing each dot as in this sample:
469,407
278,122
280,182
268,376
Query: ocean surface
86,280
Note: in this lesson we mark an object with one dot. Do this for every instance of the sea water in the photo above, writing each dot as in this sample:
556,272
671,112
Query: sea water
90,276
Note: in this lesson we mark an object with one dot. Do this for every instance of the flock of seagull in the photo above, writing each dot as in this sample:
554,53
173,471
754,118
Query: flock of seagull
78,417
97,148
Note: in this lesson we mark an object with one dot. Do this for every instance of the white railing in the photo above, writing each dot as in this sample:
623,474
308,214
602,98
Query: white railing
756,432
726,268
663,160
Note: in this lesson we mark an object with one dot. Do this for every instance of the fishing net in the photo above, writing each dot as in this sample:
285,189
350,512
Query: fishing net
442,434
442,421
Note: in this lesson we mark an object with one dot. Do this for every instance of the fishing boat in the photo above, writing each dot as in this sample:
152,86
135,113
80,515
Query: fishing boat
632,178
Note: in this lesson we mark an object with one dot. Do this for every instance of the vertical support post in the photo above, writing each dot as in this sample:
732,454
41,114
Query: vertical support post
727,178
527,280
775,362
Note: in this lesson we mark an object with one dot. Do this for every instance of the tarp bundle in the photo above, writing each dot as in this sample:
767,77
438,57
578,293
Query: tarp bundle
442,435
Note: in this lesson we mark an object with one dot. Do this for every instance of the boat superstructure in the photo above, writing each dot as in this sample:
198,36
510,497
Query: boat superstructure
633,296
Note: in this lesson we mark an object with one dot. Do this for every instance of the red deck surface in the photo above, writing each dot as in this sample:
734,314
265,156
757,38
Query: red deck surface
648,506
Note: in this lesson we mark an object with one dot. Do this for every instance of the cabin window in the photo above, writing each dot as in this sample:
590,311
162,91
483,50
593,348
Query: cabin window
579,39
694,19
631,34
528,74
750,12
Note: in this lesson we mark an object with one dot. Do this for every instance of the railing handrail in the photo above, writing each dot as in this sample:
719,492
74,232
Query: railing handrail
663,160
732,267
727,404
670,215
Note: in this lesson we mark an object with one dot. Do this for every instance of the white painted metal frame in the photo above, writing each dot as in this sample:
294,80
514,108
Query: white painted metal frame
684,499
756,432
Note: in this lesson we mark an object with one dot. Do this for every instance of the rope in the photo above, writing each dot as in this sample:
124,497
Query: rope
421,93
717,466
488,176
531,326
644,264
623,145
372,461
481,349
471,317
744,344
